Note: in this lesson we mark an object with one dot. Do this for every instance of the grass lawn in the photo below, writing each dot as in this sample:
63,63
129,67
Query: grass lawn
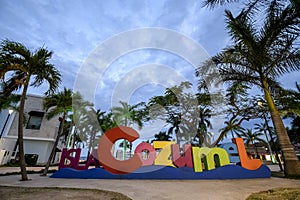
18,193
277,194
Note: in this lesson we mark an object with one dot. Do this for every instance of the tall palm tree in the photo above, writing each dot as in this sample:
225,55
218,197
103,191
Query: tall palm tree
259,55
127,115
251,137
57,104
60,104
16,58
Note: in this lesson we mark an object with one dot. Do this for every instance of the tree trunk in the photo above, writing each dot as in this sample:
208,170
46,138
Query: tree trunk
291,162
54,146
24,176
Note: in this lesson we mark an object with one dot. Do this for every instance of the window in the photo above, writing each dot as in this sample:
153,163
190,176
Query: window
35,120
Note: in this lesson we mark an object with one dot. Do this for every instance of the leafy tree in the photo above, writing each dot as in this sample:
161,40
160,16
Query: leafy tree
30,66
260,54
187,119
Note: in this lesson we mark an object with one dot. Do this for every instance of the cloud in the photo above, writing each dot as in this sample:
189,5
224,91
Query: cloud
74,30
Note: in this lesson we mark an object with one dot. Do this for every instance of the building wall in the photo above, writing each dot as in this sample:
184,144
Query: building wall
48,127
42,148
36,141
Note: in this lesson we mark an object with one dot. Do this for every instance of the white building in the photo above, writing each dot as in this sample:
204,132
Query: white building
39,133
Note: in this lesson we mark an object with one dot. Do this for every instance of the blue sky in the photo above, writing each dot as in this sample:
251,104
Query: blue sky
74,29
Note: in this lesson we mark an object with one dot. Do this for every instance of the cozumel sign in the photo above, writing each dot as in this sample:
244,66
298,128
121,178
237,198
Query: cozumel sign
195,163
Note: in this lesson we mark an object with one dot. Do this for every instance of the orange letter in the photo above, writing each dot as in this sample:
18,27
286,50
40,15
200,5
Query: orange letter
104,151
247,163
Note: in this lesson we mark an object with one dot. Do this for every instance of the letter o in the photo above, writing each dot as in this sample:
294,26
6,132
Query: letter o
146,146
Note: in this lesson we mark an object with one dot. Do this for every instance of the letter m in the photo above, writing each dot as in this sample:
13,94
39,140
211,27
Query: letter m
209,158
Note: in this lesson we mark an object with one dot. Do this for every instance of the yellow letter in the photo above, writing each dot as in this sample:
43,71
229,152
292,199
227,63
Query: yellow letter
211,157
163,158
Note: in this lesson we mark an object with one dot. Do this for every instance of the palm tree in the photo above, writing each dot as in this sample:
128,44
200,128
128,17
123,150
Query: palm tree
59,105
214,3
264,128
79,123
252,137
232,126
16,58
97,123
239,109
127,115
162,136
258,56
203,135
6,96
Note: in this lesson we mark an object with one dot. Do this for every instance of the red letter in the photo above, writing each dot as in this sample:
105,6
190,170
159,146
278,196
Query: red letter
104,151
74,161
181,161
152,153
247,163
92,161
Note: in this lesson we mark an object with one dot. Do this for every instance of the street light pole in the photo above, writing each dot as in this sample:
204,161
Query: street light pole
7,118
273,143
260,103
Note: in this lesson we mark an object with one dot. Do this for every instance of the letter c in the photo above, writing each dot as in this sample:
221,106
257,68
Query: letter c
104,151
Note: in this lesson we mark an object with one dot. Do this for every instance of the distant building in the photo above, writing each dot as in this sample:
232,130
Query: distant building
39,133
262,151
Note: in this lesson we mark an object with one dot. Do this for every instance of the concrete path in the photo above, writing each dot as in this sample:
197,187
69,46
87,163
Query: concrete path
161,189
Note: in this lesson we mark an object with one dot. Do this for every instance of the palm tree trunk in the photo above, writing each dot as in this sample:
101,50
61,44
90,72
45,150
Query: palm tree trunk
291,162
24,176
54,146
90,145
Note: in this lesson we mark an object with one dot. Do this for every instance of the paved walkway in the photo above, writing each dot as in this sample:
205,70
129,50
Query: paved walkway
161,189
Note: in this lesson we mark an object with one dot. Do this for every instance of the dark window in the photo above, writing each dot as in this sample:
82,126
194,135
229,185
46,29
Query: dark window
35,120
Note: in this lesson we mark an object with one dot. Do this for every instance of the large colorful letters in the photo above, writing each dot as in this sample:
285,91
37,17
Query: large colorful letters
165,153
